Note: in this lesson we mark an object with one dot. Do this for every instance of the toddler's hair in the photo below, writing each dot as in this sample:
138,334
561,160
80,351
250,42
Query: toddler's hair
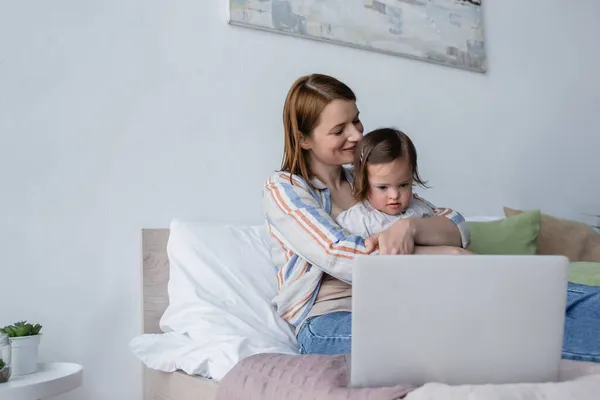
382,146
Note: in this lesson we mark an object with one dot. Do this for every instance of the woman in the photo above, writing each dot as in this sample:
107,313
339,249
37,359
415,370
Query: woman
315,256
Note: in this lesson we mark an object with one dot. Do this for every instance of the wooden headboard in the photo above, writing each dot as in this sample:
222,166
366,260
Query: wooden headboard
155,272
155,277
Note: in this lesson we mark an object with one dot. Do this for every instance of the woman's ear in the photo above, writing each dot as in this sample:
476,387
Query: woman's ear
305,142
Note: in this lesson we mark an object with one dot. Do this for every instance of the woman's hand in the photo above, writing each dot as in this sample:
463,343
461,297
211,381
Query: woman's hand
397,239
450,250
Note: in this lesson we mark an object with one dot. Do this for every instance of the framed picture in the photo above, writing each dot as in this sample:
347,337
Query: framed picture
447,32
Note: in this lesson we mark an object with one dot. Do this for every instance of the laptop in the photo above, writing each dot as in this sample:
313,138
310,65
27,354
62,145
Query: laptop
457,319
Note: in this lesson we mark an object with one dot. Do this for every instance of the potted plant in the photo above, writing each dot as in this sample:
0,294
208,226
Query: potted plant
25,341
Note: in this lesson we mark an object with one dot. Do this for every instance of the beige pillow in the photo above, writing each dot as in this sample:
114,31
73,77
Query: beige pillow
575,240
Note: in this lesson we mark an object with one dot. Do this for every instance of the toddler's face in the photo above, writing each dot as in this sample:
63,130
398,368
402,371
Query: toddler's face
390,186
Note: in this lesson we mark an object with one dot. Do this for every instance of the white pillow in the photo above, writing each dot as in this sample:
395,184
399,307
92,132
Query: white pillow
483,219
221,284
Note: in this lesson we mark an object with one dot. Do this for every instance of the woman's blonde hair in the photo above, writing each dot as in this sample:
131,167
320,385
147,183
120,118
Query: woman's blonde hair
305,101
382,146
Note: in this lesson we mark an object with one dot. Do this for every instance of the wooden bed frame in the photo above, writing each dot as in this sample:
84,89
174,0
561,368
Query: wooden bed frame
155,272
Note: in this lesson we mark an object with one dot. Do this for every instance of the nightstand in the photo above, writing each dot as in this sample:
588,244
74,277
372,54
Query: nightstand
51,379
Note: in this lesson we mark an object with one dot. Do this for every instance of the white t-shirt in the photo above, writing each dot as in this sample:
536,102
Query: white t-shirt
364,220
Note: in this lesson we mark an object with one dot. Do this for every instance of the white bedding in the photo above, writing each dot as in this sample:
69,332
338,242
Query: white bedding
583,388
221,284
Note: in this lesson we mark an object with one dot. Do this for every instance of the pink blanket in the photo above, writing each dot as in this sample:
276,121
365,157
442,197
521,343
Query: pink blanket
293,377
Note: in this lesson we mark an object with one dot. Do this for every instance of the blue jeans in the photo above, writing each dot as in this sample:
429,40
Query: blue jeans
582,325
331,333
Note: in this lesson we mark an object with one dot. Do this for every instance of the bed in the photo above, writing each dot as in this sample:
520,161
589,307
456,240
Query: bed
182,386
155,272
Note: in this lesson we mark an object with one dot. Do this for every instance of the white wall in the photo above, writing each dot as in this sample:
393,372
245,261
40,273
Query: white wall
117,115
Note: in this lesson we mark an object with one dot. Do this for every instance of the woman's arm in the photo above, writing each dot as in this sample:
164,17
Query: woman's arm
439,227
448,250
435,231
445,227
297,220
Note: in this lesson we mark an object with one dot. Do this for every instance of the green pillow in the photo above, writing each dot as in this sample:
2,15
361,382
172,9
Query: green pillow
585,273
511,235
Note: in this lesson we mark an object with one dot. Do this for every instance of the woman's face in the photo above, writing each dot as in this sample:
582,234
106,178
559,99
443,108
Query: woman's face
334,139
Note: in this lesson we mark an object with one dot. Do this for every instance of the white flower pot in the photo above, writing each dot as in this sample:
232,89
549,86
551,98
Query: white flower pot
24,354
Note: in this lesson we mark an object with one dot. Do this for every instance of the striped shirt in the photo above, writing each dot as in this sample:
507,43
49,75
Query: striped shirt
306,242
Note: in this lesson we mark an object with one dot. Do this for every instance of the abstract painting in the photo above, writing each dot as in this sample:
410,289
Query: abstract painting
448,32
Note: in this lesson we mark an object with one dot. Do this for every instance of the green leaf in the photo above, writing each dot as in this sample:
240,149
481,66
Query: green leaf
22,328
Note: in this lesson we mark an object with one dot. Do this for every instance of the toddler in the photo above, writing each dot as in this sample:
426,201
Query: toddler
385,170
